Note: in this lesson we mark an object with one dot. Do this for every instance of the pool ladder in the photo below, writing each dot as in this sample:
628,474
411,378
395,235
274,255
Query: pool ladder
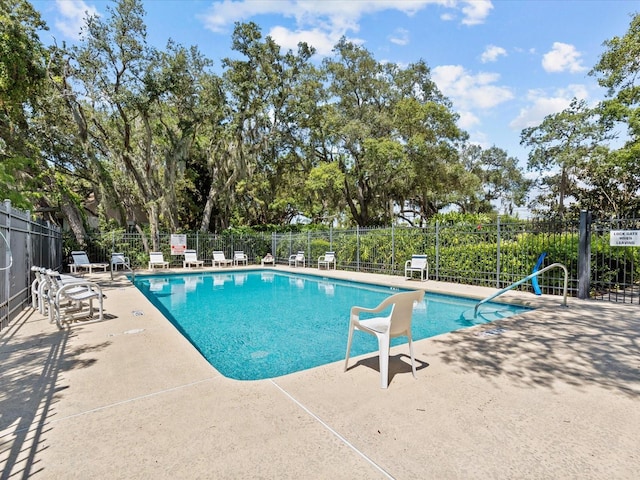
526,279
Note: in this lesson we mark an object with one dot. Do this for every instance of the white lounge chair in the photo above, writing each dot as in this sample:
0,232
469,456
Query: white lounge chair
396,324
297,259
239,257
327,260
191,259
156,259
81,261
220,259
119,259
268,259
418,263
71,302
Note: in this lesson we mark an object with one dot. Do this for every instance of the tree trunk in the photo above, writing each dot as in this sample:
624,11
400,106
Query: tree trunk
74,217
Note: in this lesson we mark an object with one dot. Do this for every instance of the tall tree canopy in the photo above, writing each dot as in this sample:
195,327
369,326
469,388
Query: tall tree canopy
154,137
22,75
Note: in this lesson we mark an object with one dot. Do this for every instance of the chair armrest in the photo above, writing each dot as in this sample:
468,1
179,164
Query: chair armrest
407,263
355,311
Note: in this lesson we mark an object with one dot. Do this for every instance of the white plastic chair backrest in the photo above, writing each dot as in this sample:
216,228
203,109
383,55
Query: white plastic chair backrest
156,257
190,255
80,258
418,261
238,255
300,256
329,256
402,310
118,258
218,255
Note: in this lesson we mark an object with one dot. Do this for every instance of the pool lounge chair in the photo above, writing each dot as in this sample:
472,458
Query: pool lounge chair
268,259
191,259
418,263
220,259
239,257
297,259
71,302
327,260
396,324
81,262
119,259
156,259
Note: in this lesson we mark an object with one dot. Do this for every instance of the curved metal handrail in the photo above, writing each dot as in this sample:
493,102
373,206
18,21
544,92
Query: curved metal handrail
525,279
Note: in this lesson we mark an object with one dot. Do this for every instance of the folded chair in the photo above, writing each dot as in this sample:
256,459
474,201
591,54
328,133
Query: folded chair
81,261
418,263
396,324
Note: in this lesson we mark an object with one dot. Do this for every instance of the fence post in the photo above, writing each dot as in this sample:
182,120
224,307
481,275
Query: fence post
393,249
357,248
498,252
437,249
7,261
584,255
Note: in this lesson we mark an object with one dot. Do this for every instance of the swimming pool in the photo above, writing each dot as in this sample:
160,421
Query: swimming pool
258,324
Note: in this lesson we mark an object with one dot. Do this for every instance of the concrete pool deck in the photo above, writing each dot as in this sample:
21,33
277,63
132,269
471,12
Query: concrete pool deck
553,393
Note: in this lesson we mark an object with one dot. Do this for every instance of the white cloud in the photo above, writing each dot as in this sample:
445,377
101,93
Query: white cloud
476,11
469,91
467,120
400,37
327,21
563,57
73,14
491,53
542,105
323,42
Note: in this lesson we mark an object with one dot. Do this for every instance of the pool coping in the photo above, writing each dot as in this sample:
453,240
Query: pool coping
552,393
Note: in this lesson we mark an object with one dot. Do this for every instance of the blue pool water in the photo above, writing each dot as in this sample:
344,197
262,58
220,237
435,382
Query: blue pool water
260,324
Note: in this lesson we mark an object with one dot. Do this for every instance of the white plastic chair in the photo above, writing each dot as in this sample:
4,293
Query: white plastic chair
297,259
326,260
81,260
71,301
156,259
220,259
396,324
119,259
418,263
240,257
191,259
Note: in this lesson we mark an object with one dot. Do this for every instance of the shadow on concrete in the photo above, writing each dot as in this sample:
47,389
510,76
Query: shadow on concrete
399,364
599,345
30,374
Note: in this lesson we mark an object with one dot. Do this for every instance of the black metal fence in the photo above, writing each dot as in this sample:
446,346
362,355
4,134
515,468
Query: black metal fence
24,243
494,254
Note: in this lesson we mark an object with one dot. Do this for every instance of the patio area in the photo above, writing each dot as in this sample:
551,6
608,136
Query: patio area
553,393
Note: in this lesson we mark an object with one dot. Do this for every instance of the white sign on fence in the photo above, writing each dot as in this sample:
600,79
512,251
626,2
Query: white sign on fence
178,244
624,238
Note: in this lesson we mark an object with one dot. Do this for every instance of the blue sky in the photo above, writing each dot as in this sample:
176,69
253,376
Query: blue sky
505,64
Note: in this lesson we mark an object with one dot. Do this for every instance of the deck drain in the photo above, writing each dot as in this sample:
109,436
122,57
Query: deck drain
494,331
137,313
